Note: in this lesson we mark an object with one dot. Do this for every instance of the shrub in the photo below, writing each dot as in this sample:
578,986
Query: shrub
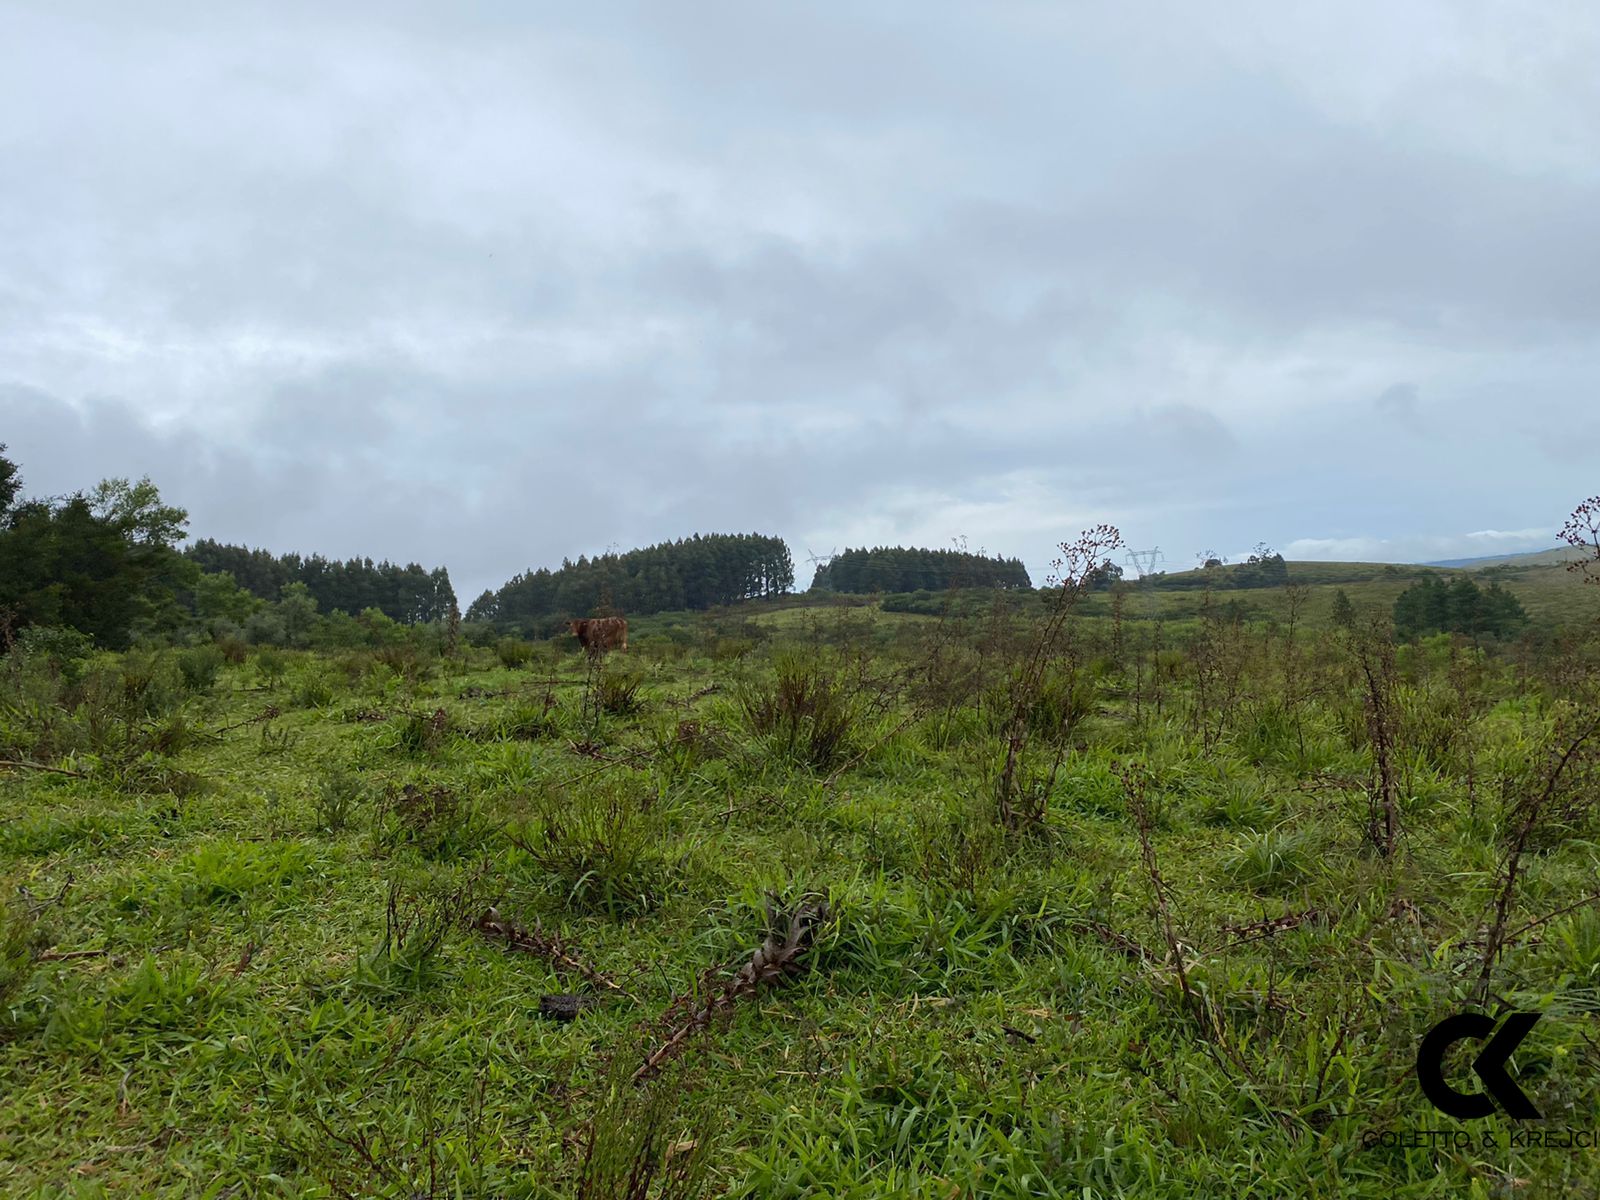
265,628
311,689
513,652
337,797
235,650
200,667
149,685
66,651
271,664
402,658
731,649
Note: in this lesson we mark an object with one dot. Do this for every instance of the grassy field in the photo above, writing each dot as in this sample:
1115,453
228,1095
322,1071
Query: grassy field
244,948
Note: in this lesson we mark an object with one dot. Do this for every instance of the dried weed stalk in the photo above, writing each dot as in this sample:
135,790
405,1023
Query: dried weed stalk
1020,806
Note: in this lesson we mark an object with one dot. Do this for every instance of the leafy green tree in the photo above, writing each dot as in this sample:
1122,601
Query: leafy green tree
137,511
10,483
1103,576
100,563
298,612
218,597
1344,613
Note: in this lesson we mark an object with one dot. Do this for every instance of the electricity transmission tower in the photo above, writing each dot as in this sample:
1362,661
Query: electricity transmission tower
819,561
1145,562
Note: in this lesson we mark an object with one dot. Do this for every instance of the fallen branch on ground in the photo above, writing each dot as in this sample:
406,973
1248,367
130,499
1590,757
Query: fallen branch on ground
1265,928
24,764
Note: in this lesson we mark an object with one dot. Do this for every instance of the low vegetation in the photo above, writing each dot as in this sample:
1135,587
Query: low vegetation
1059,893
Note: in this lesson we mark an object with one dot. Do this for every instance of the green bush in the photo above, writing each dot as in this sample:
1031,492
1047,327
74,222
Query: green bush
513,652
199,667
311,689
235,650
271,663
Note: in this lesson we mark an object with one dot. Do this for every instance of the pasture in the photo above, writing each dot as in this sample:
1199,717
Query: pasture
483,920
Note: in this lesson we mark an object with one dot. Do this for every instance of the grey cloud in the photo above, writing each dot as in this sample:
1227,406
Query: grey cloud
495,285
1398,402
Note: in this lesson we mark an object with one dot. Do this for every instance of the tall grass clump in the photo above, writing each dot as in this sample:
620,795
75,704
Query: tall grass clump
617,691
338,796
601,846
1275,861
16,954
806,713
420,914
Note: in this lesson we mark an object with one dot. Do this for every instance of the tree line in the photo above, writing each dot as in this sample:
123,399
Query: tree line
696,572
1432,605
911,569
410,594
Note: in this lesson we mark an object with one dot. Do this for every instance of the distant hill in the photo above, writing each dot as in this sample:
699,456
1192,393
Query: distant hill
1534,558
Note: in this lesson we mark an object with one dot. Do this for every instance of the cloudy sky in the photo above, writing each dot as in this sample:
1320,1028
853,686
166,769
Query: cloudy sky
491,284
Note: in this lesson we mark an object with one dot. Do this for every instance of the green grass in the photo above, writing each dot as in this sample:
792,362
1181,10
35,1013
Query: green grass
269,984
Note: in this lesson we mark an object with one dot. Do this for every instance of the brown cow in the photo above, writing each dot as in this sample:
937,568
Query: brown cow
599,634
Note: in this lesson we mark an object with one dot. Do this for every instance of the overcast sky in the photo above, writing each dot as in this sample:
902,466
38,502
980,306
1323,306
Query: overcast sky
490,284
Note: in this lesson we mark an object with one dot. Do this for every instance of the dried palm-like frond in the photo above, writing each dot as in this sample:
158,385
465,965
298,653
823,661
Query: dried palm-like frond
547,946
776,961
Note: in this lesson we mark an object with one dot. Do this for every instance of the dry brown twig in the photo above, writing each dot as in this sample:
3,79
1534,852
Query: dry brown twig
1265,928
25,765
